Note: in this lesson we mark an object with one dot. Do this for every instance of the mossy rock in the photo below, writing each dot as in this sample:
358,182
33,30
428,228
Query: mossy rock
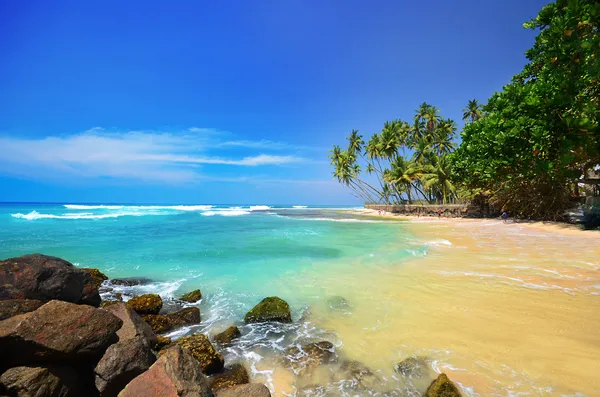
108,303
309,356
200,347
97,276
187,316
413,367
161,342
131,281
228,335
146,304
235,375
158,322
269,309
442,387
192,297
339,303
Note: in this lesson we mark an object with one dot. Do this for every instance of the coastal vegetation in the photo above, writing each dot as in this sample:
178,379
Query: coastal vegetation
526,150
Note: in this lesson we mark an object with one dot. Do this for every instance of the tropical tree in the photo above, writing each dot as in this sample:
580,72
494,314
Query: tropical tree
472,112
438,177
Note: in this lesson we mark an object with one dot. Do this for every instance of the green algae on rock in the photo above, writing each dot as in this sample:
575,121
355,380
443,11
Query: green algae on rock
146,304
236,374
413,367
97,276
186,316
161,342
200,347
309,356
158,322
192,297
269,309
442,387
228,335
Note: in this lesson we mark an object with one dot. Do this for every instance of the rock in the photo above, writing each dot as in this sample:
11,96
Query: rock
131,281
41,382
200,347
232,376
362,378
442,387
57,331
13,307
249,390
45,278
269,309
104,304
228,335
161,343
121,363
413,367
176,373
158,322
133,324
309,356
146,304
192,297
187,316
339,303
97,276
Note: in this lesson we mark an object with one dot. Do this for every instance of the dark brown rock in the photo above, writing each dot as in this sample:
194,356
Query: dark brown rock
249,390
121,363
130,282
46,278
269,309
13,307
228,335
187,316
41,382
57,331
413,367
442,387
307,357
97,276
200,347
161,342
133,324
192,297
236,374
158,322
146,304
175,374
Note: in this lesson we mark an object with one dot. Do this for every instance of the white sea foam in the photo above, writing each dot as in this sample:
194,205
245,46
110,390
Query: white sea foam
140,207
226,213
300,206
33,215
438,243
92,207
259,207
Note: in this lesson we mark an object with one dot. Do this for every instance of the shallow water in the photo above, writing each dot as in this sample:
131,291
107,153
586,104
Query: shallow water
504,310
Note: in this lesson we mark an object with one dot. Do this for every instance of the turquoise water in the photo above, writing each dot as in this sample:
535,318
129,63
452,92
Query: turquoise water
235,254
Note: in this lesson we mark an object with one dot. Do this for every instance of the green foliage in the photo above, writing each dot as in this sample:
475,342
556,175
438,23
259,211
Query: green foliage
540,135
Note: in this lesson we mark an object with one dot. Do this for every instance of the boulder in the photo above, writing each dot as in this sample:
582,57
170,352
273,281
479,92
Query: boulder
307,357
121,363
187,316
176,373
41,381
133,324
158,322
442,387
46,278
161,342
228,335
235,375
249,390
104,304
413,367
58,331
131,281
200,347
270,309
97,276
360,376
13,307
146,304
192,297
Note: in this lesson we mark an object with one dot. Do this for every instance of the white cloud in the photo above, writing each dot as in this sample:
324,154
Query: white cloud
129,155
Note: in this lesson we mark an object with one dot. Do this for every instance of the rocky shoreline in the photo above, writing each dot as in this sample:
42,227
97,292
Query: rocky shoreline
59,338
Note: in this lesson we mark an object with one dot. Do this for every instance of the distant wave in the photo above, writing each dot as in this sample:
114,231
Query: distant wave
226,213
140,207
300,206
33,215
92,207
259,207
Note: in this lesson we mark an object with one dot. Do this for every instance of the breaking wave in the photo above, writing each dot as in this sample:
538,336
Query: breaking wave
226,213
140,207
33,215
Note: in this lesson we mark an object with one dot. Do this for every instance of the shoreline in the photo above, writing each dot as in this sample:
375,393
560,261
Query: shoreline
545,226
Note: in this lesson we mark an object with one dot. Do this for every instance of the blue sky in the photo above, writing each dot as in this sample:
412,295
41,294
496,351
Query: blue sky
229,101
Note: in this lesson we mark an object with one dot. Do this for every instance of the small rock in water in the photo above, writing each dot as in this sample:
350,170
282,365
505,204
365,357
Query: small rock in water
192,297
228,335
175,374
358,373
339,303
13,307
146,304
270,309
131,281
97,276
442,387
236,374
200,347
413,367
310,355
41,381
249,390
158,322
187,316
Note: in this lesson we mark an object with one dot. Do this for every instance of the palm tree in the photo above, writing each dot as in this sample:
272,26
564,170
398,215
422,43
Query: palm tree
472,111
432,119
355,142
421,151
436,176
442,138
402,175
